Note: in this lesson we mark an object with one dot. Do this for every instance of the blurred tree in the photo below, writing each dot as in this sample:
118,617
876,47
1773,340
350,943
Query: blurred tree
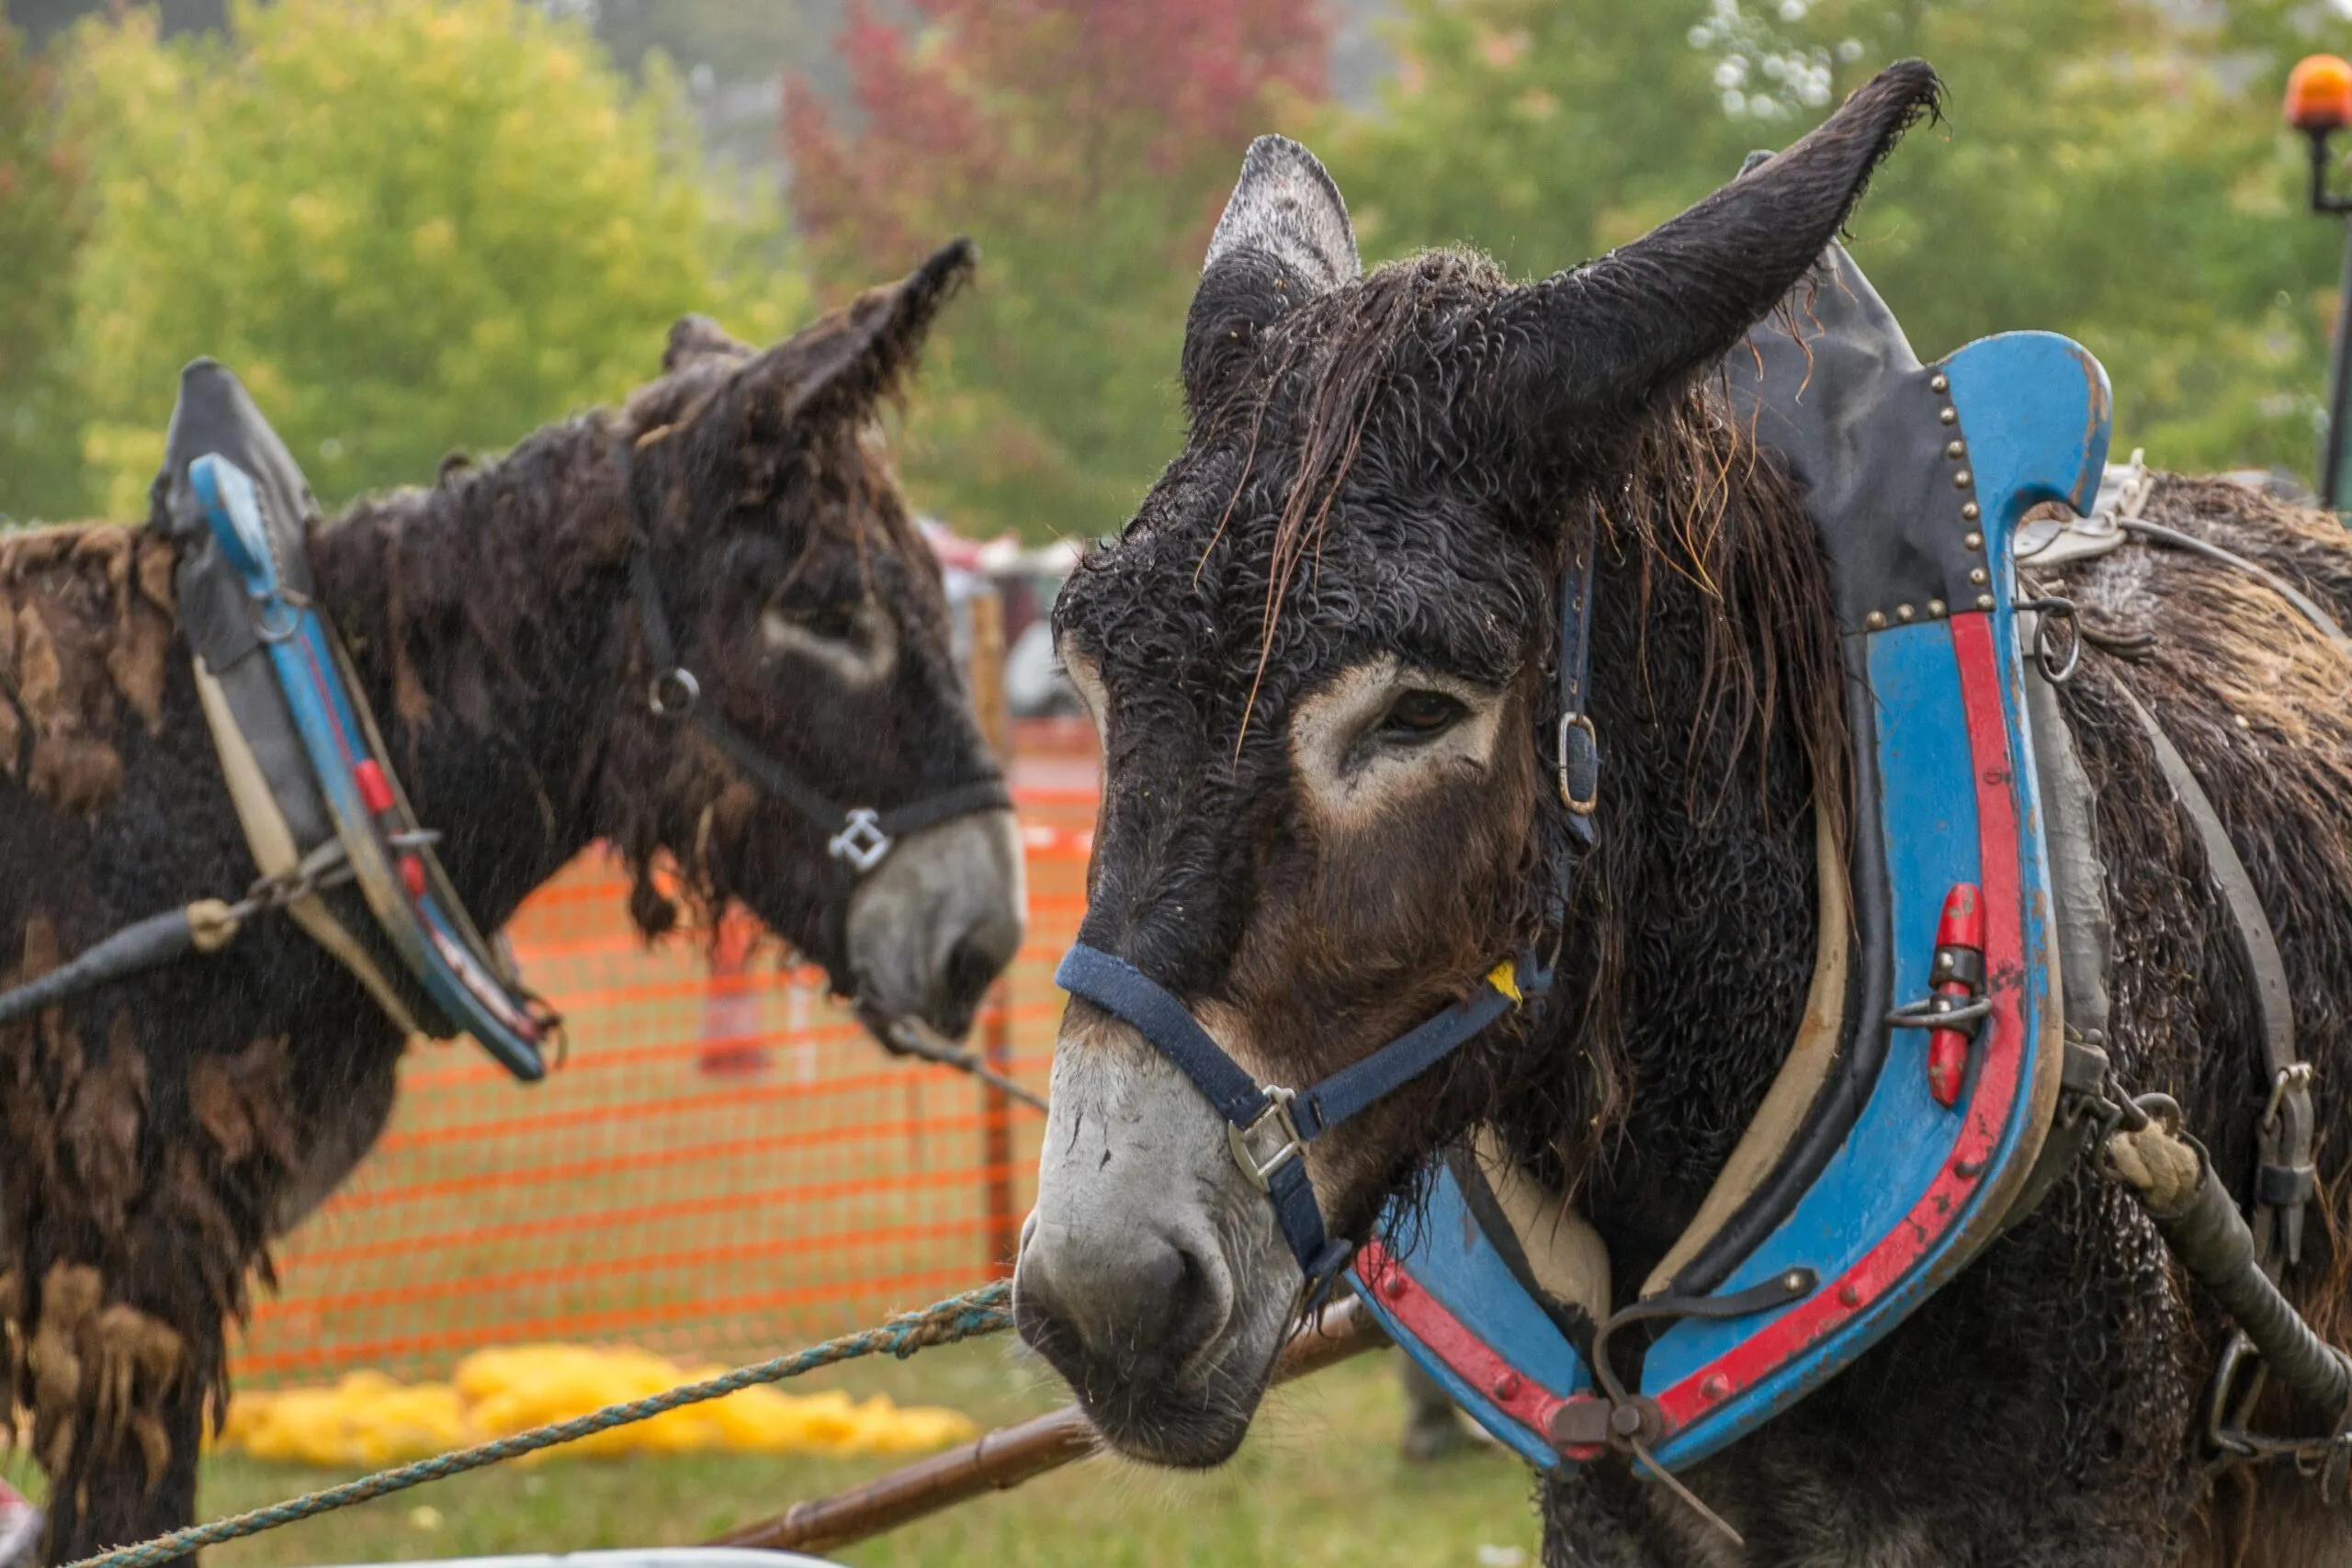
1088,145
408,224
40,227
2110,169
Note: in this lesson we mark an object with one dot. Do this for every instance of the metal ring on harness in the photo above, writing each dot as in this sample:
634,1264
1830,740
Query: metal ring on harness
2050,608
674,692
2292,1076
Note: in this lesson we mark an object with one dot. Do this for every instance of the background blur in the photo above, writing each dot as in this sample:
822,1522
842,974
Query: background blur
420,225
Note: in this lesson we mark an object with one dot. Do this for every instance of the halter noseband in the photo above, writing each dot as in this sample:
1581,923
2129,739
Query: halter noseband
1269,1126
857,836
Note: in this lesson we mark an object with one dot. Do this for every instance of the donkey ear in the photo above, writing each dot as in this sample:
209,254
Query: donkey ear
1590,353
698,337
844,364
1285,237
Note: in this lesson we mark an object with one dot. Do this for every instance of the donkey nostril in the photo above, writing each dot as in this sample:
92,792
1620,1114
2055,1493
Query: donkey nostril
965,977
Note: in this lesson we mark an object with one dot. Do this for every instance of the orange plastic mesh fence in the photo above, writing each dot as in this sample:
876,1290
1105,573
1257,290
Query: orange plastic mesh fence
724,1165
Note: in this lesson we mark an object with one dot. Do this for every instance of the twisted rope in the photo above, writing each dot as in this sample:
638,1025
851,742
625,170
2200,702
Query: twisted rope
975,1313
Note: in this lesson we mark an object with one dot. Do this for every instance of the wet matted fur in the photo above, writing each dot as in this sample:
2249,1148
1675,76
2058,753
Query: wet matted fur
2041,1409
154,1134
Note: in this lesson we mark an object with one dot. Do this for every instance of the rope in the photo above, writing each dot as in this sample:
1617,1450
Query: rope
984,1310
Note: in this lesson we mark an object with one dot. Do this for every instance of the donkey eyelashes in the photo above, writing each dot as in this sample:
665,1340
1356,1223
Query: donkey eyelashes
1420,716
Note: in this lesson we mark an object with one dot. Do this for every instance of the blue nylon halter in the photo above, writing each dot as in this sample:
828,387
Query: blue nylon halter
1271,1126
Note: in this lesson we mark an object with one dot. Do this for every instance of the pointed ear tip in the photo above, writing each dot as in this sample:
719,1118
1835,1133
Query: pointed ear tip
1912,82
1272,152
951,264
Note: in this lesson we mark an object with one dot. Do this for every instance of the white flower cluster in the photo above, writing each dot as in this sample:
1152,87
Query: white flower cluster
1761,73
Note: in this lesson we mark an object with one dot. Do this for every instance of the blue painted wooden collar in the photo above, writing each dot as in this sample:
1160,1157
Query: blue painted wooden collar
462,982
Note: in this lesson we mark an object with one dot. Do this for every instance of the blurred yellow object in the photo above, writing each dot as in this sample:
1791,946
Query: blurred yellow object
369,1420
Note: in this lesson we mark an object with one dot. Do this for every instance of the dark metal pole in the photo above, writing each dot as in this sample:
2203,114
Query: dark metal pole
2333,455
2339,390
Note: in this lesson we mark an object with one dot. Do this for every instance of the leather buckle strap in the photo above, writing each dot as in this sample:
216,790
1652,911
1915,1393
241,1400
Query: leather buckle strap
2286,1133
1576,747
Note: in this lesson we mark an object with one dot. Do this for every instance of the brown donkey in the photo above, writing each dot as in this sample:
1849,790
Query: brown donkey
1321,659
155,1135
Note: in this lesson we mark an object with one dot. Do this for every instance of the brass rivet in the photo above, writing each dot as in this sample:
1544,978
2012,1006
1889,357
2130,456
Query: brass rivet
1902,612
1963,478
1875,619
1939,382
1984,601
1950,416
1955,448
1972,540
1976,575
1935,609
1968,510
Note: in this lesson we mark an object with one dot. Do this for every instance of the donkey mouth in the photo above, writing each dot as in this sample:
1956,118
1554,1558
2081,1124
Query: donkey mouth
1188,1417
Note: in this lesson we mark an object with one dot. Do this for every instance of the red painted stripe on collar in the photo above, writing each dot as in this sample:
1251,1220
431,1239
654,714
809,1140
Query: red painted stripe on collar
1454,1343
1986,1118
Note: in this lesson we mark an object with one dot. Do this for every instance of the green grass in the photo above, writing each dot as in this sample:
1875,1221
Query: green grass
1318,1483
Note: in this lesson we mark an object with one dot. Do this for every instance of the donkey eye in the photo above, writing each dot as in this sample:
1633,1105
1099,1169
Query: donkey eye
835,623
1418,715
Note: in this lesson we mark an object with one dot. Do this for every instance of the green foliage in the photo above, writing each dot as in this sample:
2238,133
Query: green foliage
2109,169
1088,145
39,467
410,225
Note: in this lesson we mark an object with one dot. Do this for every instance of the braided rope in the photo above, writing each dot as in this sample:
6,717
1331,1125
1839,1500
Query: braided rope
975,1313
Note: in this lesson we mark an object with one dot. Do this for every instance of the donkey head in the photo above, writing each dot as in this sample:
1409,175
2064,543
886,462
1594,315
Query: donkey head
1320,658
808,611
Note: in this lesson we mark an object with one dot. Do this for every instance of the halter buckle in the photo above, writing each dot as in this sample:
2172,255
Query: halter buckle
1581,771
860,841
1251,1151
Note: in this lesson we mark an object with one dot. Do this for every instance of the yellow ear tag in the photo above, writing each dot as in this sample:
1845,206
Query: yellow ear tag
1505,979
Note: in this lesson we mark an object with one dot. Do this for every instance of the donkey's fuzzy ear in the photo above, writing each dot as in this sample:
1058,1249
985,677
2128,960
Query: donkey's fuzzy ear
698,337
1284,239
844,364
1587,355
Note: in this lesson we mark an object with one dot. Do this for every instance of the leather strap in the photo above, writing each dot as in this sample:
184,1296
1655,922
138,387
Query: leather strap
1577,748
859,836
2321,622
2283,1184
1255,1115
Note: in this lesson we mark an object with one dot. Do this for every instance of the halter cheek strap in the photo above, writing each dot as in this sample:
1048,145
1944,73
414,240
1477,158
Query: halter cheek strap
857,836
1270,1126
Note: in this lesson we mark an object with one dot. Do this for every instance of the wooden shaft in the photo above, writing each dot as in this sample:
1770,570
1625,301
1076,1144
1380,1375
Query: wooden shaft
1005,1458
998,1201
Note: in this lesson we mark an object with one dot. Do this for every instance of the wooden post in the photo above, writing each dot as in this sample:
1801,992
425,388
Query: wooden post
996,1013
1005,1458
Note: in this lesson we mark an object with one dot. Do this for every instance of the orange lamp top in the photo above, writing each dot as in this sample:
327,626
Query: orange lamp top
2319,93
